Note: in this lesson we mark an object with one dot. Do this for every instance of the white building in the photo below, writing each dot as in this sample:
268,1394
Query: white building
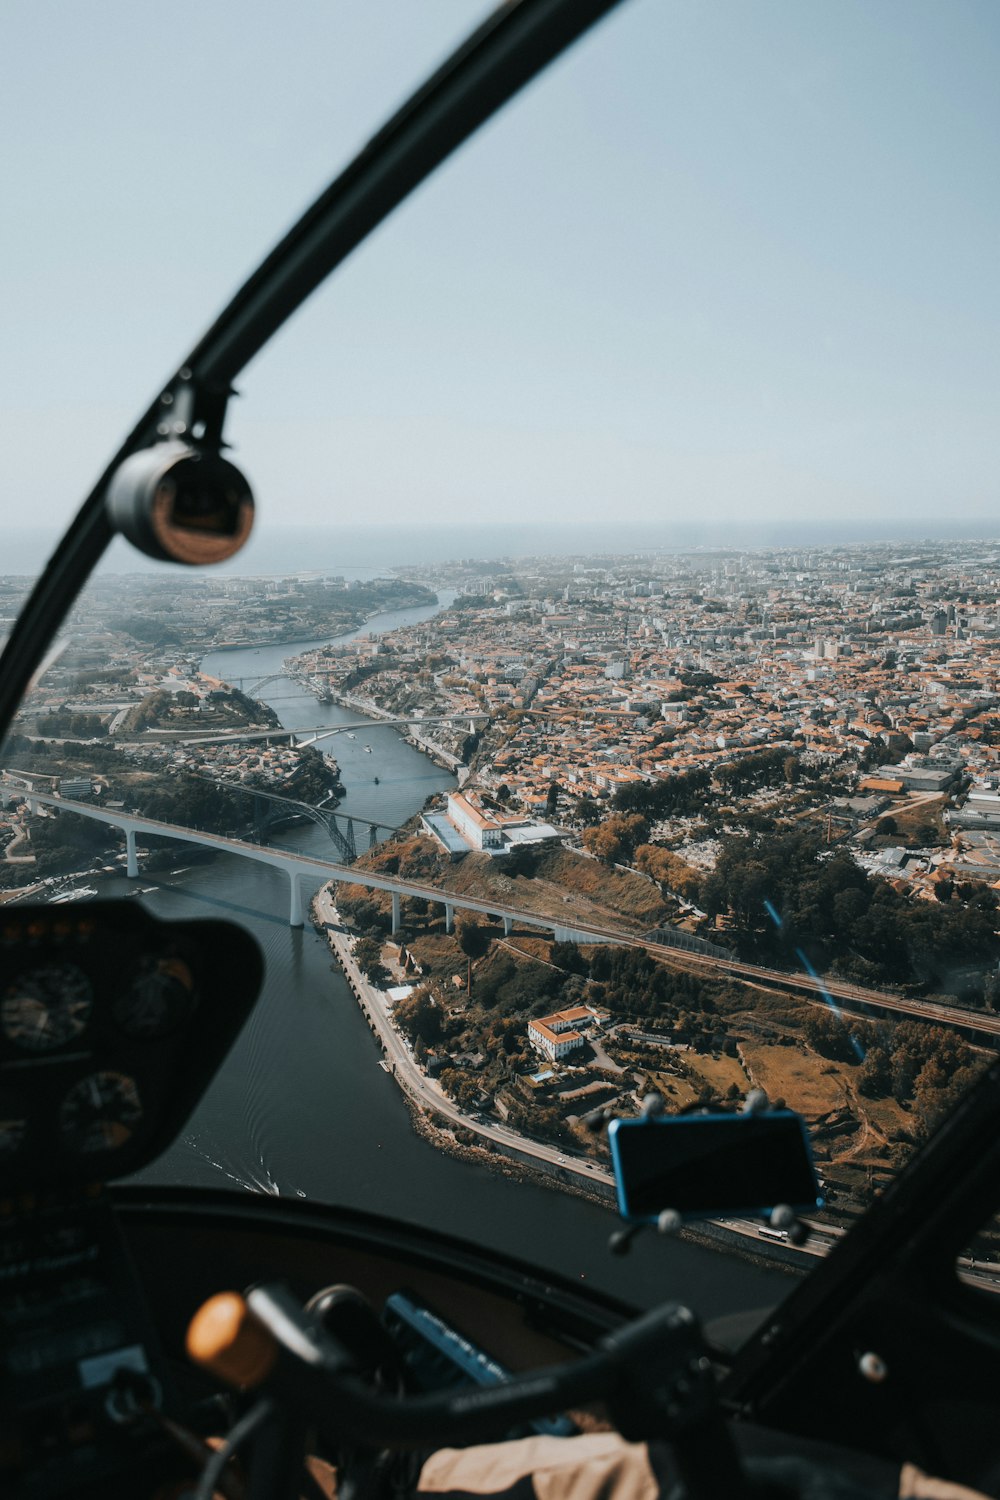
557,1035
481,831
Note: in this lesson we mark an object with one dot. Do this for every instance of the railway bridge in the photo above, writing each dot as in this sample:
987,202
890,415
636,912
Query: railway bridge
980,1026
302,869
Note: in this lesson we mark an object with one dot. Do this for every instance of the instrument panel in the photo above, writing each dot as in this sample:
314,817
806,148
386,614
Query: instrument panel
112,1025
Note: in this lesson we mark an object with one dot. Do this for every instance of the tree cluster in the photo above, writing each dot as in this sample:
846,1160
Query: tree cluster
670,871
64,841
614,841
787,895
64,724
761,768
671,796
924,1068
192,802
418,1016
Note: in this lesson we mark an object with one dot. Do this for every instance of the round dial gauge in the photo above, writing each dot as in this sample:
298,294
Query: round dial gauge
100,1112
46,1007
158,999
12,1136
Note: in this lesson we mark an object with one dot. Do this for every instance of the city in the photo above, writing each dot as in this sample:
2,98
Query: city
746,765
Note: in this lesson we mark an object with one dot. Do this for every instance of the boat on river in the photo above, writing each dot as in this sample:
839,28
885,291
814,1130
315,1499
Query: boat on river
78,893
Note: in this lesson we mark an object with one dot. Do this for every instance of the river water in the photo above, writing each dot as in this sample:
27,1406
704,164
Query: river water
302,1107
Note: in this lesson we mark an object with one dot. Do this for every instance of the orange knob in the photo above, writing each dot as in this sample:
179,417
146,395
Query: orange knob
226,1338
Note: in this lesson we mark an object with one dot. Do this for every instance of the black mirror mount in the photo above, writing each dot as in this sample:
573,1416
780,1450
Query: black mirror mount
673,1169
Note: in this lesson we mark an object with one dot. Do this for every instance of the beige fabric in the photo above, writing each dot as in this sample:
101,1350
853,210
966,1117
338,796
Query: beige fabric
594,1466
914,1484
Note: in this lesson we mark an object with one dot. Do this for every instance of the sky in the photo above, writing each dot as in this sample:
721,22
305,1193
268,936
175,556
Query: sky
724,262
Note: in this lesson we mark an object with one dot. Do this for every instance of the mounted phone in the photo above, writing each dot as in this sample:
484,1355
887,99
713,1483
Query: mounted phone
702,1166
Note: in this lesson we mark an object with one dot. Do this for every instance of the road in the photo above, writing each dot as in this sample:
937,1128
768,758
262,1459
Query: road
410,1077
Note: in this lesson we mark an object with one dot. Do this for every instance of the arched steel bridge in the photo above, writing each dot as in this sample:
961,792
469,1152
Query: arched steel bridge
258,683
339,825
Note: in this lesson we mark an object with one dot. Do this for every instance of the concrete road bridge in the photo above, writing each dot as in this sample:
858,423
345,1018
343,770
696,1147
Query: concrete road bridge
315,731
307,869
977,1025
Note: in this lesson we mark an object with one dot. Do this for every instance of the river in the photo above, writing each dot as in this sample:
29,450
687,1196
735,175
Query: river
302,1107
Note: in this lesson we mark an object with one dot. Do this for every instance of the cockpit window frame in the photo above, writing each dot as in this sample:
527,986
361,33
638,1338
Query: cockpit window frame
515,43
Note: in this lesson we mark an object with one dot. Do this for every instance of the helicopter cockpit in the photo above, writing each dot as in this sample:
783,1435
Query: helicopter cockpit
164,1338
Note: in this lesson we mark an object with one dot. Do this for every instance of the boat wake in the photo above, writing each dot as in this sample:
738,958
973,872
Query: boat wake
248,1180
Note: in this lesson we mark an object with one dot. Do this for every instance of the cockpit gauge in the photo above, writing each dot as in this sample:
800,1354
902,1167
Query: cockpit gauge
100,1112
46,1007
158,999
12,1137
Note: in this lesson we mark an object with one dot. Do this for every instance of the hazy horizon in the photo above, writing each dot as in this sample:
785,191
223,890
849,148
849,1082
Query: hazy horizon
362,549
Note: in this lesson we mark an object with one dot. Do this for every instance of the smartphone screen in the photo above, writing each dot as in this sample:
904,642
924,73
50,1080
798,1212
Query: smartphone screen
706,1165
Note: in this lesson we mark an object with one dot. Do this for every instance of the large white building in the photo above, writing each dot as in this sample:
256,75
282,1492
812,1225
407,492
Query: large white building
482,831
490,833
557,1035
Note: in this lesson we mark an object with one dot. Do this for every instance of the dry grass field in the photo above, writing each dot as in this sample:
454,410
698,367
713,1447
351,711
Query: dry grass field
806,1082
721,1072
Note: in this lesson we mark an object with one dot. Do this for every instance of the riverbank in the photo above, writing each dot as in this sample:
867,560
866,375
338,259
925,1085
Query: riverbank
370,710
358,622
497,1146
427,1099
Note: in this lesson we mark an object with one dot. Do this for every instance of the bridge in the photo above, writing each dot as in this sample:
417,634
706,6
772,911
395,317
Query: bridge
979,1025
318,731
340,826
303,867
258,683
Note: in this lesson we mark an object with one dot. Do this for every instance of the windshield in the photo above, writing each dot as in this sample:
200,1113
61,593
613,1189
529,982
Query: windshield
625,509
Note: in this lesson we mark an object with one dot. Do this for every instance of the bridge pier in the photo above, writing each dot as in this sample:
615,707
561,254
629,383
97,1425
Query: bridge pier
449,916
295,901
508,926
131,861
395,912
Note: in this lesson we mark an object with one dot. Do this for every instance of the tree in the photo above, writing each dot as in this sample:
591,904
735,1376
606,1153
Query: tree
419,1016
615,839
552,799
874,1079
568,956
586,811
463,1089
472,937
368,957
672,873
604,844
